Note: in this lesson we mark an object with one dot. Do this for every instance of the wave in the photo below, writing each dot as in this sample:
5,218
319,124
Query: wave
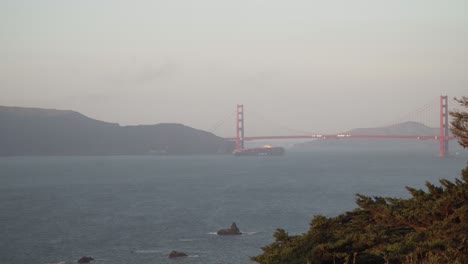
249,233
187,239
146,251
243,233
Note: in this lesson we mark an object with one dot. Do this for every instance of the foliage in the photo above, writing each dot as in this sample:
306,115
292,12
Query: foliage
460,123
429,227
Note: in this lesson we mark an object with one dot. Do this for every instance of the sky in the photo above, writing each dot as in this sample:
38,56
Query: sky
317,66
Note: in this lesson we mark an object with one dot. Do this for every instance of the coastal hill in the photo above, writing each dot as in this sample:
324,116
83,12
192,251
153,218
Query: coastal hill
406,128
35,131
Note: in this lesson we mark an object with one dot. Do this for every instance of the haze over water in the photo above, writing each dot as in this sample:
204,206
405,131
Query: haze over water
316,66
305,63
136,209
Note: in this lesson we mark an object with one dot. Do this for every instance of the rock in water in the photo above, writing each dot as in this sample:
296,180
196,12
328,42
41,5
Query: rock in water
233,230
85,260
176,254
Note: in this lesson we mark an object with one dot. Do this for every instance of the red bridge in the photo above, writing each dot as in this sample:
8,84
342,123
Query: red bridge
443,137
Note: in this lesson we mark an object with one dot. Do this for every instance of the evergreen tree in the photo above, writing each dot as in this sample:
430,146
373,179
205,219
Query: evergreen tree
460,123
429,227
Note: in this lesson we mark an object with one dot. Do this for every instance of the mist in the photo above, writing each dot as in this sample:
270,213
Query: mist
321,66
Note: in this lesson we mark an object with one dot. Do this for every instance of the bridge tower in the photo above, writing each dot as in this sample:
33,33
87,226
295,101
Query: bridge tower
240,127
444,127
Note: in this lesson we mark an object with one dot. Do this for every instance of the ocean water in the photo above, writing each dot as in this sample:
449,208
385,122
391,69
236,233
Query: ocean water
137,209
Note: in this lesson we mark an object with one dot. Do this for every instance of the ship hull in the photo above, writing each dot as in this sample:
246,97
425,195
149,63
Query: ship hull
274,151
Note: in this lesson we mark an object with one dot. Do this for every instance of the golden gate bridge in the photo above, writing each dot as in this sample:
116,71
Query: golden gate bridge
442,137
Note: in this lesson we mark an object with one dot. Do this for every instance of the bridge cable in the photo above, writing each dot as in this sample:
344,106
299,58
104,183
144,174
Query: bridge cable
221,122
408,116
261,117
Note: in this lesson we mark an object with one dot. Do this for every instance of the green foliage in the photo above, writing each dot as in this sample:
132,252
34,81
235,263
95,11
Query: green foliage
460,122
429,227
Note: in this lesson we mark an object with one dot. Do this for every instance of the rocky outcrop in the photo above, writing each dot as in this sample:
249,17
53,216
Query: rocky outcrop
177,254
85,260
233,230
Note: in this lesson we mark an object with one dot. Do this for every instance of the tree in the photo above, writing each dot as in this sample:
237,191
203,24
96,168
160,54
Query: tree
460,122
430,227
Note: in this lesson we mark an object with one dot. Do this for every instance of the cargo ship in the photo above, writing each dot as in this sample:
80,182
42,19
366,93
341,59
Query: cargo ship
263,151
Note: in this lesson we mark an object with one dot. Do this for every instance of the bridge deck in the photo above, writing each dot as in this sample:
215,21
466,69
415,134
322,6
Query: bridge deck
345,136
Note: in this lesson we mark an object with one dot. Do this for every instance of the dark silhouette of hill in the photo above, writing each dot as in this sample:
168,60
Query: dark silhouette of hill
35,131
406,128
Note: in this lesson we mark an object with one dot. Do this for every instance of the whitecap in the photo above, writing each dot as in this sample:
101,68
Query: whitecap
249,233
243,233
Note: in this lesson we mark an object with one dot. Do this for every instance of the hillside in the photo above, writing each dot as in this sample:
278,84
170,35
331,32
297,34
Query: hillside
34,131
406,128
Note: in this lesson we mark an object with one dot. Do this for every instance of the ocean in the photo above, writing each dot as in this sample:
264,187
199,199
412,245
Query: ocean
137,209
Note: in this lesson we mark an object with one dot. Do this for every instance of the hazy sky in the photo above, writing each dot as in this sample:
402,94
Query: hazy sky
319,66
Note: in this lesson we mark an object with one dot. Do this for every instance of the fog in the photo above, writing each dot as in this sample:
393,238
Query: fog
318,66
